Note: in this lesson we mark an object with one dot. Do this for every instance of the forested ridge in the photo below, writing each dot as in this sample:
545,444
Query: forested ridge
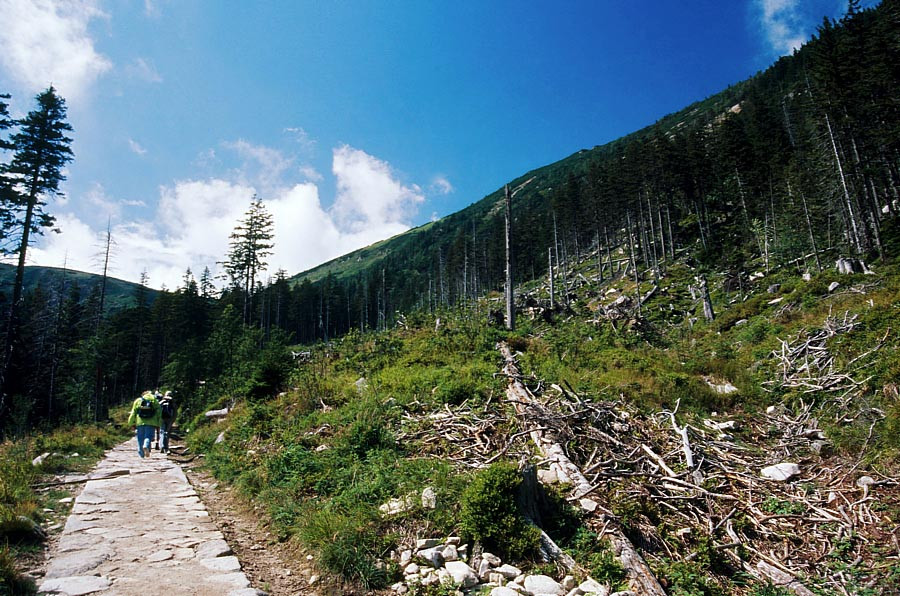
722,284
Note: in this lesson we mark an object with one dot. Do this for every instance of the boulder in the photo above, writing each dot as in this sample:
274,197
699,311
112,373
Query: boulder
494,560
504,591
508,571
429,498
780,472
462,574
543,584
217,413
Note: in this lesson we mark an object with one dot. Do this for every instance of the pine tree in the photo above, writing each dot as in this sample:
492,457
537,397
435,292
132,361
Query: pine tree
251,243
41,150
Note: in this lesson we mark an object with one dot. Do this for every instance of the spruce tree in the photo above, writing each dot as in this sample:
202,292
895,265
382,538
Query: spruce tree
41,151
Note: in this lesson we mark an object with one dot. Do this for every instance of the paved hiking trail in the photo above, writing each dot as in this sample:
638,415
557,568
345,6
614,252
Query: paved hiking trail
138,527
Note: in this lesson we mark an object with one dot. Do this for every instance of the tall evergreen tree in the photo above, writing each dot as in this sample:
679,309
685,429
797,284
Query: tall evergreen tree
41,150
251,243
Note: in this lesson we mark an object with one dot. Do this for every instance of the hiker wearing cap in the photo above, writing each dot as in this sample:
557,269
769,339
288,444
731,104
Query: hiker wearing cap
146,417
167,418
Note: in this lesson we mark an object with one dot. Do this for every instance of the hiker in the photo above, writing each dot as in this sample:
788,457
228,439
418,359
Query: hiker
145,415
167,418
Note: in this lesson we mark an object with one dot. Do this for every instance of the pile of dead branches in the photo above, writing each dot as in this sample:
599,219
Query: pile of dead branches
687,492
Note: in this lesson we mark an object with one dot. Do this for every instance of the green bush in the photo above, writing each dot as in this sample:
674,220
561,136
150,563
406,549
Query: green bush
490,515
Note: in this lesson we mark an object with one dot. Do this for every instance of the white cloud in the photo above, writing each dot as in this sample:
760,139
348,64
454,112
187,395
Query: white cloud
440,185
302,138
310,173
782,24
368,193
194,219
262,166
136,147
45,42
144,70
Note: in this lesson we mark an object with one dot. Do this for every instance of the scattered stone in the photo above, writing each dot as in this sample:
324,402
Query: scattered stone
40,459
807,277
727,425
781,472
220,438
547,476
429,498
833,286
66,500
588,505
771,410
508,571
542,584
504,591
820,448
863,481
454,540
433,555
450,553
775,300
590,586
247,592
494,560
217,413
75,586
411,569
313,579
773,289
568,582
623,593
740,322
462,574
423,543
405,557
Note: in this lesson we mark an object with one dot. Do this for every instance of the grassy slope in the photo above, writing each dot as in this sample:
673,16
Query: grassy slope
325,455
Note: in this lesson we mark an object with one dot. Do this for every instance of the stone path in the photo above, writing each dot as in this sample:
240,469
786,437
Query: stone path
138,527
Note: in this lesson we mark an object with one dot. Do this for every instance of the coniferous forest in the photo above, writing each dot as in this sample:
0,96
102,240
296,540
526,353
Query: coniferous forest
797,166
740,240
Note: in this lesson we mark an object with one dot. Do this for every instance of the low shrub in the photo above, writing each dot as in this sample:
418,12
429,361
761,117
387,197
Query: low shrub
489,514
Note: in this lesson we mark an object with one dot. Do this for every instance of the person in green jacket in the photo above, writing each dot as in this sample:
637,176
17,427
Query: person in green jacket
146,417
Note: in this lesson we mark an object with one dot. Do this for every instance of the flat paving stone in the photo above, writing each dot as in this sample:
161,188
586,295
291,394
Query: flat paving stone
140,524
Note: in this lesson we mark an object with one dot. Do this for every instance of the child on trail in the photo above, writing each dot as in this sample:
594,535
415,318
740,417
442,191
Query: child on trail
167,418
146,416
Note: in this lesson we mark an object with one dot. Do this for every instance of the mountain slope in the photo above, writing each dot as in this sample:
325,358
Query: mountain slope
119,294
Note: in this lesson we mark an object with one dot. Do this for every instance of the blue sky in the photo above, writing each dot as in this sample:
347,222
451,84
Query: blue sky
352,120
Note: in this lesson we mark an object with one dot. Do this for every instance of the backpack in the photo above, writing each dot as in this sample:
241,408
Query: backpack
168,410
147,408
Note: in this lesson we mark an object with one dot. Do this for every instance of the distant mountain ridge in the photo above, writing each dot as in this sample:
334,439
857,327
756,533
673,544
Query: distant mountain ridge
119,293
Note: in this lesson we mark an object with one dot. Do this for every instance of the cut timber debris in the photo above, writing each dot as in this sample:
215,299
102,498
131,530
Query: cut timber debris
640,576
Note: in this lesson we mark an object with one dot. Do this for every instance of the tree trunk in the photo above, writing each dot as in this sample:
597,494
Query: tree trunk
510,306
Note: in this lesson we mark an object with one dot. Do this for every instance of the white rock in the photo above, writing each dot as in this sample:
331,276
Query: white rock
426,543
590,586
623,593
462,574
217,413
400,588
780,472
508,571
542,584
865,481
484,569
429,498
833,286
494,560
66,500
40,459
588,505
405,557
410,569
220,438
450,553
454,540
568,582
547,476
504,591
496,579
433,555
